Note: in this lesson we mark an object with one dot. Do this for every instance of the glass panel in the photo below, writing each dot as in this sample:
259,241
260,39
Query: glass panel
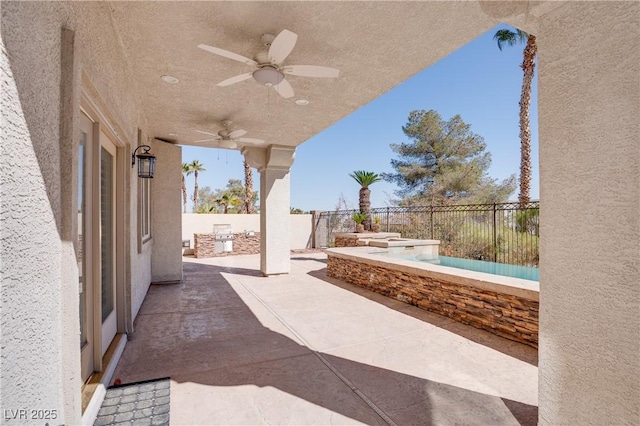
106,231
145,207
80,246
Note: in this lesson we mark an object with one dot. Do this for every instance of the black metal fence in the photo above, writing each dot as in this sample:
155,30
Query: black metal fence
502,232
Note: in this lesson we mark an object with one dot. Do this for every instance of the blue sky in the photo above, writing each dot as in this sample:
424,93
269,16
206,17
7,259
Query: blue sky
478,81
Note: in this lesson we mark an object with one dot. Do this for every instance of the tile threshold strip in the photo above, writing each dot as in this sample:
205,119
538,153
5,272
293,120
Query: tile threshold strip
322,359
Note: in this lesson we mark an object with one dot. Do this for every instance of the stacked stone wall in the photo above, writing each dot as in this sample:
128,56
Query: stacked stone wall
346,241
204,245
512,317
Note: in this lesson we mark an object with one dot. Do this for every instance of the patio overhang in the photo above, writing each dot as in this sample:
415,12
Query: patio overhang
375,45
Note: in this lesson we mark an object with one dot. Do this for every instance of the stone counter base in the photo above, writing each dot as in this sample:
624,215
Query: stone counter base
204,245
508,316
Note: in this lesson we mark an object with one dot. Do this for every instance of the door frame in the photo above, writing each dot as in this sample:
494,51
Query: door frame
87,358
110,323
104,123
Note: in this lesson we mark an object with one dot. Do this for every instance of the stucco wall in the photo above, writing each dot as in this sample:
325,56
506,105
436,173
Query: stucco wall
203,223
589,100
40,359
140,250
140,275
166,191
31,254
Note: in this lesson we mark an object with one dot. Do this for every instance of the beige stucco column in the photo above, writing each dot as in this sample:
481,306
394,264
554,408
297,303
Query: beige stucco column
166,229
589,101
273,163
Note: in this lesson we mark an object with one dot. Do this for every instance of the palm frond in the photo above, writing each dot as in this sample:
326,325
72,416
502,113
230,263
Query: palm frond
186,168
510,37
365,178
197,166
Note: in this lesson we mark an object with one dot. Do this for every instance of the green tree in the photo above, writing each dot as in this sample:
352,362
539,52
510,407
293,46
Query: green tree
511,38
365,179
228,200
206,201
444,162
186,171
205,208
196,167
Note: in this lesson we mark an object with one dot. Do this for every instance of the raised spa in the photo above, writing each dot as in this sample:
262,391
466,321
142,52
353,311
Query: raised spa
418,249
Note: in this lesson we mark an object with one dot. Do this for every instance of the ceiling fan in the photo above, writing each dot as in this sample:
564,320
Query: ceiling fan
229,138
269,69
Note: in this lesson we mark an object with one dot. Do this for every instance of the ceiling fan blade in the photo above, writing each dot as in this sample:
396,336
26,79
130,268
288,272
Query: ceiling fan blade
311,71
237,133
284,89
282,46
250,140
207,133
227,54
206,140
236,79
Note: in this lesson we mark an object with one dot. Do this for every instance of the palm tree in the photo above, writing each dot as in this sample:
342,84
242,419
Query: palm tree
365,179
228,200
186,171
248,188
196,167
512,38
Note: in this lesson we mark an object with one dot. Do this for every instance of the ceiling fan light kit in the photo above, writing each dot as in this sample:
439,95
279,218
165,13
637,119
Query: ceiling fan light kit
228,144
268,76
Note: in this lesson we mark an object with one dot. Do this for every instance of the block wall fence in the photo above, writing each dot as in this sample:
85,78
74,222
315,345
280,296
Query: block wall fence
301,227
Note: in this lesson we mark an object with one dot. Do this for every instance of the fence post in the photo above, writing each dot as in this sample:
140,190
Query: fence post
387,219
314,227
431,223
330,229
495,235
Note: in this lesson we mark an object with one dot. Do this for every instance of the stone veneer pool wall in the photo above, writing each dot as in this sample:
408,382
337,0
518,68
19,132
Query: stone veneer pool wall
482,300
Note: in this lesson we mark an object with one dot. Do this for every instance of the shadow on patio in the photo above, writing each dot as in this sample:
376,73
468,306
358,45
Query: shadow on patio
243,349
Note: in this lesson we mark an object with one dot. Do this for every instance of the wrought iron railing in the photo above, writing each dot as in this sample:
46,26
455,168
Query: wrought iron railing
501,232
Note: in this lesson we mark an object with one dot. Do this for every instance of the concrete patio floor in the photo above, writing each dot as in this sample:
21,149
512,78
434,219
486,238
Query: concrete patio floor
306,349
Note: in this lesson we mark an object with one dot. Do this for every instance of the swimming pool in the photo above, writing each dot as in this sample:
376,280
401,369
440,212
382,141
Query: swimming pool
504,305
515,271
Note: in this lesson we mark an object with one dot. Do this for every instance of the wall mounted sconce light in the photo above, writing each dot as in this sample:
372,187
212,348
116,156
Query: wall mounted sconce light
146,162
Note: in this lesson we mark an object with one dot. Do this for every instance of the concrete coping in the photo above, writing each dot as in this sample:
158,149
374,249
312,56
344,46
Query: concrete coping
368,235
403,242
518,287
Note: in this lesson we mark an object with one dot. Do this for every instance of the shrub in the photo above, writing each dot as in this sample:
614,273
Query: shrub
359,217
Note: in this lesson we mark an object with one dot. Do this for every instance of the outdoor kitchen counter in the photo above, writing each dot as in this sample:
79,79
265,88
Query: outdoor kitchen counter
204,245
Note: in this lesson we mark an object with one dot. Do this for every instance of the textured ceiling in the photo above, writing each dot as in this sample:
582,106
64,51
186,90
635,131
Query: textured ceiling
375,45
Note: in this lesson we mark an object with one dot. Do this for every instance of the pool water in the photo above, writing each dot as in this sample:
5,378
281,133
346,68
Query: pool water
516,271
